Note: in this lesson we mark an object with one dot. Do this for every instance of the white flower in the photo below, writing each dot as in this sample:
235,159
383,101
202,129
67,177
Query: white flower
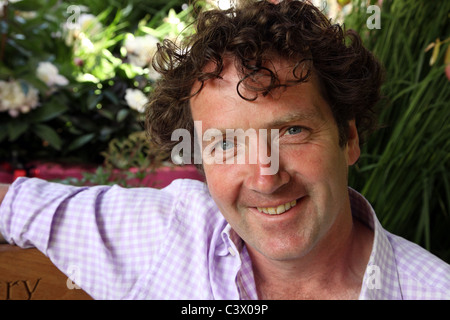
49,74
15,100
89,23
141,49
136,99
81,26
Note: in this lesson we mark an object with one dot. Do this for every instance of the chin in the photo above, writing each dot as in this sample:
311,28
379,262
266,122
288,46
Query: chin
285,249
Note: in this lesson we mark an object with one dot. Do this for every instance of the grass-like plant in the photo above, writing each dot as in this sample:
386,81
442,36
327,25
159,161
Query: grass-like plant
404,168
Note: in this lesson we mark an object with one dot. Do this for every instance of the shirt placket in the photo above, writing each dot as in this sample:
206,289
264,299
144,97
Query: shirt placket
244,275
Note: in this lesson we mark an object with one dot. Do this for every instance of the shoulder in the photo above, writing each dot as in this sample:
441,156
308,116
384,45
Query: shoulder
194,204
422,275
183,202
192,193
186,186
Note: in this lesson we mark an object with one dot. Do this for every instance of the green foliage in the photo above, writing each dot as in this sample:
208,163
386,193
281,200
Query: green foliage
127,163
404,168
134,152
71,111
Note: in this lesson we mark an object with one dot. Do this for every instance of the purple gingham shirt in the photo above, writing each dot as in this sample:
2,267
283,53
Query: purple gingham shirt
173,243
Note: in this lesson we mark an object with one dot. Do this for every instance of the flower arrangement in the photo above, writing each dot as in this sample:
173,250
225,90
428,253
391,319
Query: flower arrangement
74,75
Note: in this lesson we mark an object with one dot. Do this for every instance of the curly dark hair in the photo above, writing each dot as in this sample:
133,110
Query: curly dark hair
350,77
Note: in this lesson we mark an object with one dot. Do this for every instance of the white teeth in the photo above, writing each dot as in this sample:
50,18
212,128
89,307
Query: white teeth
278,210
281,209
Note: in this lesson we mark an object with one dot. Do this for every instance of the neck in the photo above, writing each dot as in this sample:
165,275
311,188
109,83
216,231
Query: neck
334,268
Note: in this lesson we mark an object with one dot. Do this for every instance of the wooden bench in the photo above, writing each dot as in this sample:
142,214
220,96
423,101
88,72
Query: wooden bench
27,274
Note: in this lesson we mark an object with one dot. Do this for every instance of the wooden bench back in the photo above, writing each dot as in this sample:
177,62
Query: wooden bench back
27,274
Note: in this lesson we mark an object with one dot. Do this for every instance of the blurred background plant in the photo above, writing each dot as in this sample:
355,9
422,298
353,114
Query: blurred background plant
127,162
404,169
74,75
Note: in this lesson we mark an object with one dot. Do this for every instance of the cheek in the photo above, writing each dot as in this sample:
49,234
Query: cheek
316,165
308,161
327,177
223,188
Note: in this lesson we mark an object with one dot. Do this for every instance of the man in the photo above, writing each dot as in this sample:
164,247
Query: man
296,231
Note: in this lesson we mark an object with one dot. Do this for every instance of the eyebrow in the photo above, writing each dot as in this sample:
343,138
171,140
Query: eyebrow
296,116
305,116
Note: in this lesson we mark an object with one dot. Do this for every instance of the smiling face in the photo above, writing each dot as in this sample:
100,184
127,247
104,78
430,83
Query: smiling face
305,203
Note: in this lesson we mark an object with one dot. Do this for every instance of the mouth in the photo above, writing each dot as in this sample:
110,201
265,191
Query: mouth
278,209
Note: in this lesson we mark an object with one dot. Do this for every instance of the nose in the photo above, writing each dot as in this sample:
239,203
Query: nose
267,175
259,181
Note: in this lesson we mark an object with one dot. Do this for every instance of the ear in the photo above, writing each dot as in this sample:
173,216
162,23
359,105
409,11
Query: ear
353,150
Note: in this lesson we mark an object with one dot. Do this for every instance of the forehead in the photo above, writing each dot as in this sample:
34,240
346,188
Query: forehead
281,68
218,104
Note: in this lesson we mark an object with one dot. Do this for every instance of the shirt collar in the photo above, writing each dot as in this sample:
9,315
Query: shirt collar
231,242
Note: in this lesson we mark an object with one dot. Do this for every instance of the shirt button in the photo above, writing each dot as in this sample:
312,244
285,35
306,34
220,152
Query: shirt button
231,251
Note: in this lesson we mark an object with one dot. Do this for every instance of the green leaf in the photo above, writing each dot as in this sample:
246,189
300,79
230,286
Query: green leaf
30,78
93,100
5,72
80,141
48,111
107,114
48,134
3,134
111,97
122,114
22,50
16,129
28,5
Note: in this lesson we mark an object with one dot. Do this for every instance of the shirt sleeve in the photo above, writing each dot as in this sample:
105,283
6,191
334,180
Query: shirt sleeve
105,238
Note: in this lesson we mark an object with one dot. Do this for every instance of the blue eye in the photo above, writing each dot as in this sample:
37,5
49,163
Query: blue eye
226,145
294,130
